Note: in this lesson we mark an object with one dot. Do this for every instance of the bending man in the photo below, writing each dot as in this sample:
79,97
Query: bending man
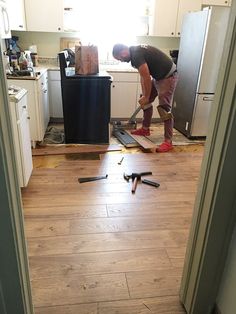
158,77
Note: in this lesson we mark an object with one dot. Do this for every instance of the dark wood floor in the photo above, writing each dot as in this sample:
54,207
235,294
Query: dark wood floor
96,248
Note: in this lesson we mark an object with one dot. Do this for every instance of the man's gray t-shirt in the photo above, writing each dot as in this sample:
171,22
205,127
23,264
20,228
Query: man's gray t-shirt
158,62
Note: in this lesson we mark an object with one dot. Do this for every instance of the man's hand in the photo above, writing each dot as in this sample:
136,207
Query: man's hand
143,101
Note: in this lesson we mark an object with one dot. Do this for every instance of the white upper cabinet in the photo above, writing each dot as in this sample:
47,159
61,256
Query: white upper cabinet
16,10
168,15
217,2
5,30
44,15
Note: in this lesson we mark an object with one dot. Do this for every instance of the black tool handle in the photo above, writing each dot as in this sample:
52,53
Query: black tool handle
156,184
89,179
145,173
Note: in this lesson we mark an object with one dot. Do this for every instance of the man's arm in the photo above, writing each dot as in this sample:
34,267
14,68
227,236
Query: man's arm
146,84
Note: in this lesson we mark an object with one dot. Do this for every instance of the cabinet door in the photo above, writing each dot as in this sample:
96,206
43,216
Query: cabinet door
55,97
44,15
17,14
43,102
123,99
186,6
216,2
165,15
24,134
5,31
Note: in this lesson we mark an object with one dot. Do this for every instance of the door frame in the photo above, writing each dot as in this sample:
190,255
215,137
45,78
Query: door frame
214,217
15,290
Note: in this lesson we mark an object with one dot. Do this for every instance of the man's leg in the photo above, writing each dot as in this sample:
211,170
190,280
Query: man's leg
166,88
147,114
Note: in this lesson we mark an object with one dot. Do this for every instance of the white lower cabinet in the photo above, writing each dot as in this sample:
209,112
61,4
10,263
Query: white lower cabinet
38,106
123,94
21,136
55,98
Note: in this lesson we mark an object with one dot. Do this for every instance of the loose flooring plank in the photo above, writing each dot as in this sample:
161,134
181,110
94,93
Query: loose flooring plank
63,149
143,141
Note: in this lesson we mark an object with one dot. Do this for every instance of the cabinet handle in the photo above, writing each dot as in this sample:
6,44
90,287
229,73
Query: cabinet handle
24,107
113,86
68,9
21,26
28,118
59,28
172,33
178,33
45,91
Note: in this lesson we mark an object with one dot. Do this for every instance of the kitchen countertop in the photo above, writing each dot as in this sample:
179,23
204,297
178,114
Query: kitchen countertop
38,71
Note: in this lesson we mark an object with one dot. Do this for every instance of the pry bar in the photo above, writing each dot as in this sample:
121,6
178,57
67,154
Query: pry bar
89,179
156,184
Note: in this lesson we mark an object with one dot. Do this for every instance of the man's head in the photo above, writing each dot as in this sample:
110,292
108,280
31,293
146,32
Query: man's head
121,52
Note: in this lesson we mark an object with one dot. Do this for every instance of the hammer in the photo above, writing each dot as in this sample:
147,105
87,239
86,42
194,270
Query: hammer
135,178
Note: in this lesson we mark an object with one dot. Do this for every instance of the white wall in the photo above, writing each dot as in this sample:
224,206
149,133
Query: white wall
48,44
226,298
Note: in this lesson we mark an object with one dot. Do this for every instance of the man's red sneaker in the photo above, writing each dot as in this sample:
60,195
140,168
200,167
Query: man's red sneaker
164,147
141,132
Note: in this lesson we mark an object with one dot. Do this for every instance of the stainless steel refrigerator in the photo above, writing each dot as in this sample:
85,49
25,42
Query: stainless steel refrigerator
201,45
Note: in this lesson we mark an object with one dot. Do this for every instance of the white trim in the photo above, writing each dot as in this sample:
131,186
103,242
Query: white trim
214,213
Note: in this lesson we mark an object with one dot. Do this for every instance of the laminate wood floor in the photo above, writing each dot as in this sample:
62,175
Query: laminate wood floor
96,248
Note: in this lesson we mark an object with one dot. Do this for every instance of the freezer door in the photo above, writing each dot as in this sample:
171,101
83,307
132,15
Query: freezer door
200,121
213,49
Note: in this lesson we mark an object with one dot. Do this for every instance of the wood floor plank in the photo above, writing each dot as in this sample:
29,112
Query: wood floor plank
65,212
41,227
158,305
164,282
98,263
68,309
161,207
106,242
79,289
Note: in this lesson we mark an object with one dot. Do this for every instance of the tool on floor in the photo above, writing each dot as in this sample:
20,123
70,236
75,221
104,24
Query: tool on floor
89,179
135,178
119,128
120,162
156,184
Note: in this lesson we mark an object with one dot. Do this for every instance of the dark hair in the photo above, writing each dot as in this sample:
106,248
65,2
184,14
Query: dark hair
117,48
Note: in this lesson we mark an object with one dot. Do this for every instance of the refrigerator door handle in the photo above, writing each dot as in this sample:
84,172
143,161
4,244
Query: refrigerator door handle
208,98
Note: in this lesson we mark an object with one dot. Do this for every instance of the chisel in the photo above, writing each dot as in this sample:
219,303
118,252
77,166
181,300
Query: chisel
89,179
